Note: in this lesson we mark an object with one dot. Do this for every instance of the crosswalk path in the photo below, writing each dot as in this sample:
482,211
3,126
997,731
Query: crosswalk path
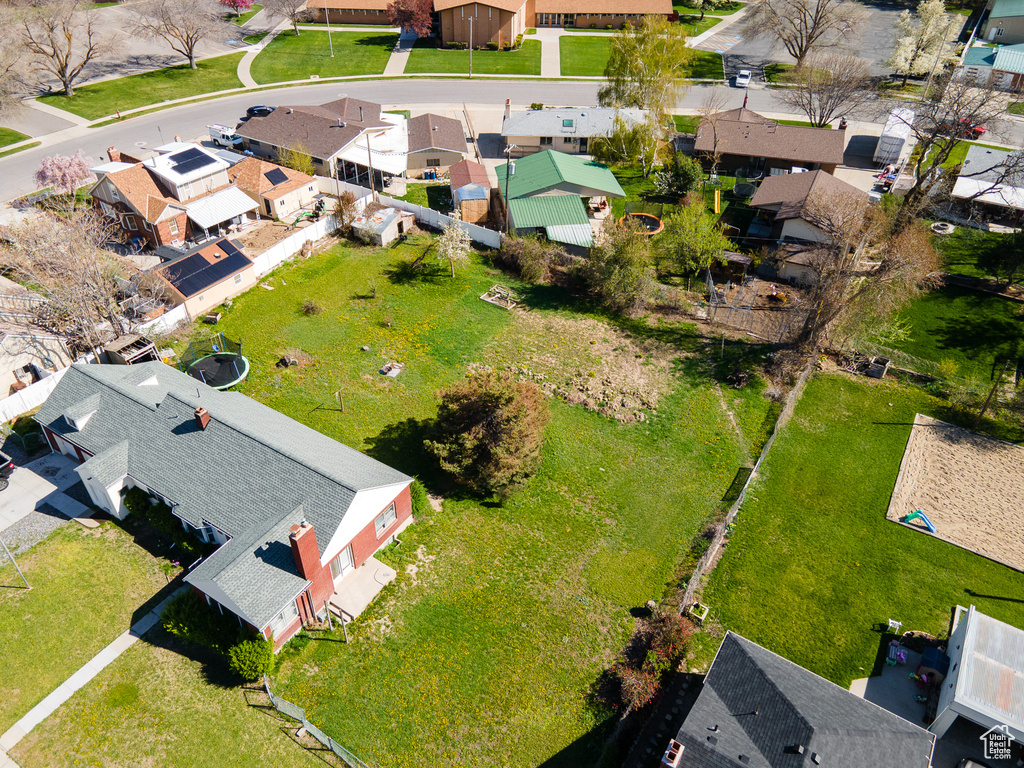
719,43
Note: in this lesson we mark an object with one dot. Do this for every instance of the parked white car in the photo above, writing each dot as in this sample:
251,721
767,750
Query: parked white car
743,78
223,136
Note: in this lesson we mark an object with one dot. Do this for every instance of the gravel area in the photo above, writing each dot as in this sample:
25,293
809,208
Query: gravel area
33,528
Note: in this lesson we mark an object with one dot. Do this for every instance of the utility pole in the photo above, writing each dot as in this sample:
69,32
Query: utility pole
938,55
510,169
471,47
327,18
369,167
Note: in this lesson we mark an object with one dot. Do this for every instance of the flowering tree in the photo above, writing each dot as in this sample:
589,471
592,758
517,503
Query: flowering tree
238,6
65,173
411,15
453,244
920,39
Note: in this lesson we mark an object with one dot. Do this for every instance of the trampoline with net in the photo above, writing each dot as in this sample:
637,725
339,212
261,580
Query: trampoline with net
217,362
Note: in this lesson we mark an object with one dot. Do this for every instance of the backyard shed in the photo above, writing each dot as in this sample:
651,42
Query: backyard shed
471,190
986,675
130,349
383,226
894,136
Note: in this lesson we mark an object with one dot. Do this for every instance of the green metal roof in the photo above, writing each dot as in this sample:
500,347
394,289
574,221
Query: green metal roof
979,56
563,217
1003,8
553,170
1009,58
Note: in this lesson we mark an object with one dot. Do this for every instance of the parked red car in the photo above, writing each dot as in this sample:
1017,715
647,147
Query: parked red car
964,129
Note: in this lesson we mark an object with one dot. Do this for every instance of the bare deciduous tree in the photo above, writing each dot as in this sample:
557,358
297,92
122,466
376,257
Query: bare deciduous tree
183,24
12,63
801,25
711,109
833,84
939,126
62,257
61,39
293,11
647,67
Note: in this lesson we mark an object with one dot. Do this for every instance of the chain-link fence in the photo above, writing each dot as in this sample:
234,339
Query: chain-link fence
296,712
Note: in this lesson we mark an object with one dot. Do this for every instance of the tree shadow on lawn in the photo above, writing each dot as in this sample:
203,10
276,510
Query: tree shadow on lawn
400,445
214,665
421,269
979,332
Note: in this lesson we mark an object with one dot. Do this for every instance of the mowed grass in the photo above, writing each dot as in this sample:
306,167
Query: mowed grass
975,330
87,588
244,17
10,136
109,96
515,609
587,56
425,58
291,57
963,251
814,566
163,704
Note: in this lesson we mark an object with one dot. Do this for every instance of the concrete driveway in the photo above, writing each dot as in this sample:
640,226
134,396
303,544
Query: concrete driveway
42,481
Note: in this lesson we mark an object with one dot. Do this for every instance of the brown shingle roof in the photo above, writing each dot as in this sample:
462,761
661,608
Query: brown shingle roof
791,191
250,176
320,130
139,188
505,5
435,132
467,172
742,132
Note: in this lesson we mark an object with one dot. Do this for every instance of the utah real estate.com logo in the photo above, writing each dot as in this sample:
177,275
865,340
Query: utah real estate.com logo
997,742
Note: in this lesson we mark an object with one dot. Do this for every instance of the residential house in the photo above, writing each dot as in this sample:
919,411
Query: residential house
564,130
1000,66
546,193
787,204
985,683
294,512
471,191
993,179
180,194
435,143
499,21
756,709
207,276
280,191
747,141
1005,23
348,136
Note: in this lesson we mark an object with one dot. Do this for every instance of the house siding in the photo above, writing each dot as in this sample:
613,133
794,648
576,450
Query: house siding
18,351
217,294
1012,27
350,16
418,161
490,24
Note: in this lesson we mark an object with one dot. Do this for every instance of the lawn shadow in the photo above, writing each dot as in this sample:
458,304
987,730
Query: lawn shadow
214,665
405,271
400,445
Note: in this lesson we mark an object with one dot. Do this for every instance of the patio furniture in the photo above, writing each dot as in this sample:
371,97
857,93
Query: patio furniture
895,626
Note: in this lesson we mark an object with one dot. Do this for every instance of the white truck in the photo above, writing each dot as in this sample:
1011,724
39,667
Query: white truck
223,136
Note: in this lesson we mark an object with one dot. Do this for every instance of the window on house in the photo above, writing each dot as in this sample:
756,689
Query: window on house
545,140
145,226
999,32
433,161
253,143
568,140
238,279
113,194
172,225
129,221
280,203
284,619
385,519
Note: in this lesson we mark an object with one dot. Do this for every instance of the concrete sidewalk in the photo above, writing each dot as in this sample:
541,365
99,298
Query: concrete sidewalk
400,54
550,51
66,690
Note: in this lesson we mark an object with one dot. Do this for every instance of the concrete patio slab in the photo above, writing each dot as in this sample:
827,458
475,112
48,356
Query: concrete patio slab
33,483
357,589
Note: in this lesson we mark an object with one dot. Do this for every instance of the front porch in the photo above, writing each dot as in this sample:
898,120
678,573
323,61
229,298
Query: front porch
354,591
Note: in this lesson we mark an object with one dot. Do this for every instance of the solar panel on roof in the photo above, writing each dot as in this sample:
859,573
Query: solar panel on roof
276,176
194,274
190,160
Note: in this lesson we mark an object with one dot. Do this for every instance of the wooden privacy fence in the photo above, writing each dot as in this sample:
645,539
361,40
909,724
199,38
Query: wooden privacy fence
296,712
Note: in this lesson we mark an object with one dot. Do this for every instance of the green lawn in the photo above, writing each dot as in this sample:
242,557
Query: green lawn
814,565
805,123
425,58
584,56
971,328
515,609
436,196
10,136
291,57
726,10
695,26
686,123
100,99
780,73
87,586
964,250
1016,108
19,149
163,704
587,56
244,17
254,38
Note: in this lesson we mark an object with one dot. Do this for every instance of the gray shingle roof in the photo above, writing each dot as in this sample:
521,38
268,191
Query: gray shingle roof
261,557
431,131
250,465
110,465
757,704
993,166
582,123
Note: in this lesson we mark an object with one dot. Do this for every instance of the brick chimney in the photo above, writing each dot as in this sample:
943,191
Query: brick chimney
114,155
508,107
305,551
202,417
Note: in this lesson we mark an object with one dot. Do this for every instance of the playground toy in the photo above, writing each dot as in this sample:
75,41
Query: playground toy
897,654
919,515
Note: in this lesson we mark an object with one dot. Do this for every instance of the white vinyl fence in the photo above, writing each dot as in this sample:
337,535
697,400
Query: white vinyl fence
30,397
428,216
292,244
168,321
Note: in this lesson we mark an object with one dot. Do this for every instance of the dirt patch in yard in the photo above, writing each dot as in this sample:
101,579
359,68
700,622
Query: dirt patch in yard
586,362
264,236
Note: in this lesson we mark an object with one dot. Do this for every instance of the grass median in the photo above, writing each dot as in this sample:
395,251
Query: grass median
426,58
179,82
295,57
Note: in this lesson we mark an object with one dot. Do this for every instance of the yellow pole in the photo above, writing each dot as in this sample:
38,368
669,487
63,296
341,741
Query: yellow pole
718,201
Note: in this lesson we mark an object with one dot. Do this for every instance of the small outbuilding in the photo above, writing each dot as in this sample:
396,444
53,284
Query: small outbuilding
279,190
382,226
130,349
471,191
